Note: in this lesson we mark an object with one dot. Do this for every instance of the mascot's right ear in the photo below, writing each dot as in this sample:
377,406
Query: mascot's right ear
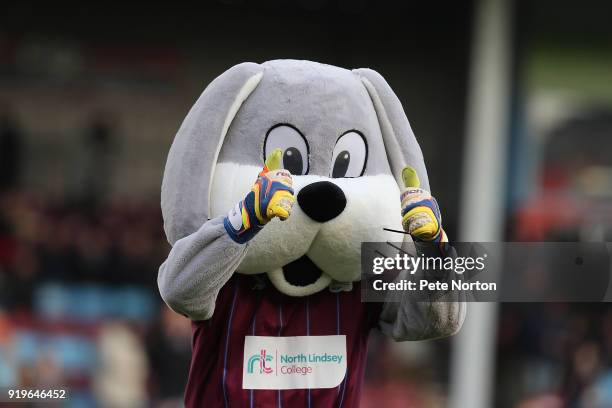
185,195
401,145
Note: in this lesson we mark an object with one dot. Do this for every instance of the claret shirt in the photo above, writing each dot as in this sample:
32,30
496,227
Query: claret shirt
245,308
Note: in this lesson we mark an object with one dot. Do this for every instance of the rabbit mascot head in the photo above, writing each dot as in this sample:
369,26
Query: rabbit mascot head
344,138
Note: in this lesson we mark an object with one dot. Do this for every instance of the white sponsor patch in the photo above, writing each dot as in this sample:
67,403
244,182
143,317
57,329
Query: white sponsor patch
285,363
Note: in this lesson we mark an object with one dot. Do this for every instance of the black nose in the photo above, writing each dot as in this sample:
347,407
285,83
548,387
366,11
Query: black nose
322,201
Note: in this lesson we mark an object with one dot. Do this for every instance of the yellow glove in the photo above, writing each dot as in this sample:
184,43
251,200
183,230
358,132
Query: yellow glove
420,212
271,196
273,190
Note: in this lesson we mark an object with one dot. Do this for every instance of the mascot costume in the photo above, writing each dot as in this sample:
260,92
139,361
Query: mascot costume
277,175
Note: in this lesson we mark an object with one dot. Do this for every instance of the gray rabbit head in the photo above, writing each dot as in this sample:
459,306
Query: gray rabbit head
345,139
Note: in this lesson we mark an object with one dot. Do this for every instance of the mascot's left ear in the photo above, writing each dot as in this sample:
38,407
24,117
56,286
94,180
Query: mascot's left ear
400,144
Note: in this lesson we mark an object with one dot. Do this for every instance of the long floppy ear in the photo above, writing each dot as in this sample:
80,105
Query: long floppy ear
400,144
185,193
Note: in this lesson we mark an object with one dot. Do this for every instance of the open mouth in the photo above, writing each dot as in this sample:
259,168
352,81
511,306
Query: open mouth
301,272
300,278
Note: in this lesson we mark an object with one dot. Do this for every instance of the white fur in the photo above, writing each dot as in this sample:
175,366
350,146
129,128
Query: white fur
372,203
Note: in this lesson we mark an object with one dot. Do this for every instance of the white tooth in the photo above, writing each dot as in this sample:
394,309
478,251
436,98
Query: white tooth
278,280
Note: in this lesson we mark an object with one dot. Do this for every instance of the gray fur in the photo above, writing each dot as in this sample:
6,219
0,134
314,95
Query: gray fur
191,160
197,268
404,318
322,101
401,145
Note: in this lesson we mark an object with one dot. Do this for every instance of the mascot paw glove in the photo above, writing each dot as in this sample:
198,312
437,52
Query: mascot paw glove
271,196
420,212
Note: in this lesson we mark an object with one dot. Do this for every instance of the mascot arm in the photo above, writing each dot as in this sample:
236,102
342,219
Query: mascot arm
201,263
405,317
197,268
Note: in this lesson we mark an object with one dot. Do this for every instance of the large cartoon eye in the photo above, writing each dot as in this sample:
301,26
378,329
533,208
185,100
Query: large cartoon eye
292,143
350,155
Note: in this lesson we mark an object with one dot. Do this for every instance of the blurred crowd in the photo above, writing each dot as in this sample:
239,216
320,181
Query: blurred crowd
555,355
78,298
560,354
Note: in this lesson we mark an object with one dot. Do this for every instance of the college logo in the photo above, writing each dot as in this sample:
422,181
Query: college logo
261,359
